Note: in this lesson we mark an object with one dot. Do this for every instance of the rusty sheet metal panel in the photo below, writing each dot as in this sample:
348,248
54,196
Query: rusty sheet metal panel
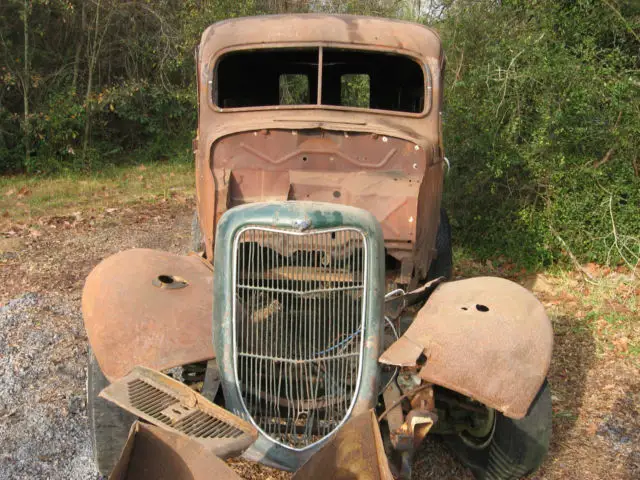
132,320
487,338
356,452
167,403
327,31
155,453
326,151
397,181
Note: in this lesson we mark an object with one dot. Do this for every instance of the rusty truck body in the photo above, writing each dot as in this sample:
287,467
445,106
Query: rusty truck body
319,289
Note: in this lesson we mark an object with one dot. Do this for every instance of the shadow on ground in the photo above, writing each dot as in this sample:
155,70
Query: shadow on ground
620,430
573,357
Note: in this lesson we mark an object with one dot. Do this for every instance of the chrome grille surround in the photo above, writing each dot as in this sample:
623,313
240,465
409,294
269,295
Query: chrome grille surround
299,312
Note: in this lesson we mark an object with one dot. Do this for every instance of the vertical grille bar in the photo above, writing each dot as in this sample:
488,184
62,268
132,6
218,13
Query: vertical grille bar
299,325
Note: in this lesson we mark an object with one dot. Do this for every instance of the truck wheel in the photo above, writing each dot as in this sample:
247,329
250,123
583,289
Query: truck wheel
108,424
512,448
197,242
442,265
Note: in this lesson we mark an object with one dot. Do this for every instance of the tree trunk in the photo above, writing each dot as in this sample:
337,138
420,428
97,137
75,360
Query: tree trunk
92,55
26,82
76,61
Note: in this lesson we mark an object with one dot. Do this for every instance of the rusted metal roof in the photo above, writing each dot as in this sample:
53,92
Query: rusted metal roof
317,29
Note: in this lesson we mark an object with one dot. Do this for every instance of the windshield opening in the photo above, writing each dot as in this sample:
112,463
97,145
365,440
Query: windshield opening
348,78
260,78
372,80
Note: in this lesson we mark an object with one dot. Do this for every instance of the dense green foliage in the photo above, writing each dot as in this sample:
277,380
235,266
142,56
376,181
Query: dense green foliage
90,82
542,116
542,127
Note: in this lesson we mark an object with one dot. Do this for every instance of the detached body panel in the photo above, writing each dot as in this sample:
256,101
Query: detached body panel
155,453
487,338
133,318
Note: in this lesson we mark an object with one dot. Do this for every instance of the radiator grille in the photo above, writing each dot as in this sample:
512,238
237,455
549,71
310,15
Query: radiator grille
299,319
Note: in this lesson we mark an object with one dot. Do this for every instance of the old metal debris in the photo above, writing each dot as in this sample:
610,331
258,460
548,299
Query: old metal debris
468,331
169,404
156,453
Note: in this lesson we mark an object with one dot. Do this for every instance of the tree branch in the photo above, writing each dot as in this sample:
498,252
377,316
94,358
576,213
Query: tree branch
605,159
573,258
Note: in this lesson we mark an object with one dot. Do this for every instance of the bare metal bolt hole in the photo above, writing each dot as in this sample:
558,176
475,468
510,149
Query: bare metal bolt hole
465,308
305,158
169,282
422,359
336,194
482,308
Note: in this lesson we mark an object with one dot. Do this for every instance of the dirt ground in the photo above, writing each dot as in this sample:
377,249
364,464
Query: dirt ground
43,425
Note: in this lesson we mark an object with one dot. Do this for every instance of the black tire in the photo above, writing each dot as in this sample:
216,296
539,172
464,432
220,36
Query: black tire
517,447
108,424
442,265
197,241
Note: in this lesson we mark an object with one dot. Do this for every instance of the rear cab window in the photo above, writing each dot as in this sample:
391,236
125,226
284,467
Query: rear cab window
295,77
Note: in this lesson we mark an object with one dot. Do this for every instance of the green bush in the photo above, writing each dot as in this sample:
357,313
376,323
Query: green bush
542,127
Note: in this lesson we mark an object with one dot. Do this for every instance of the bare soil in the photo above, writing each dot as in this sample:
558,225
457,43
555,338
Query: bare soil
43,425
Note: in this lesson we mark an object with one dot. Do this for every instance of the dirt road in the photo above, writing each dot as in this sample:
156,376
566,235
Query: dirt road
43,426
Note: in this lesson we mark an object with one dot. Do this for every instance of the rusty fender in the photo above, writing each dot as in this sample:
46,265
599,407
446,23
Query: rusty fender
486,338
150,308
156,453
355,452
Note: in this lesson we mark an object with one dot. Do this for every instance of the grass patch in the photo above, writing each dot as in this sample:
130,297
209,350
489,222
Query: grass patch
606,307
24,199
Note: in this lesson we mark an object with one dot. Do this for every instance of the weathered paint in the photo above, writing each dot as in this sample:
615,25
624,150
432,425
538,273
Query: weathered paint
288,215
130,321
487,338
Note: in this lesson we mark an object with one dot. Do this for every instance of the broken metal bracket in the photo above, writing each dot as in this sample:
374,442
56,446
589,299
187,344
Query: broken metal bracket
395,418
407,433
395,302
211,380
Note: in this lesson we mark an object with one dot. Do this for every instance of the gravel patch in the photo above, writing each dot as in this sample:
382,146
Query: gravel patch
43,346
43,422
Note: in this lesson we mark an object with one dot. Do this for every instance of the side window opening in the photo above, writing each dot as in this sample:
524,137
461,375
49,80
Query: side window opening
294,89
355,90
